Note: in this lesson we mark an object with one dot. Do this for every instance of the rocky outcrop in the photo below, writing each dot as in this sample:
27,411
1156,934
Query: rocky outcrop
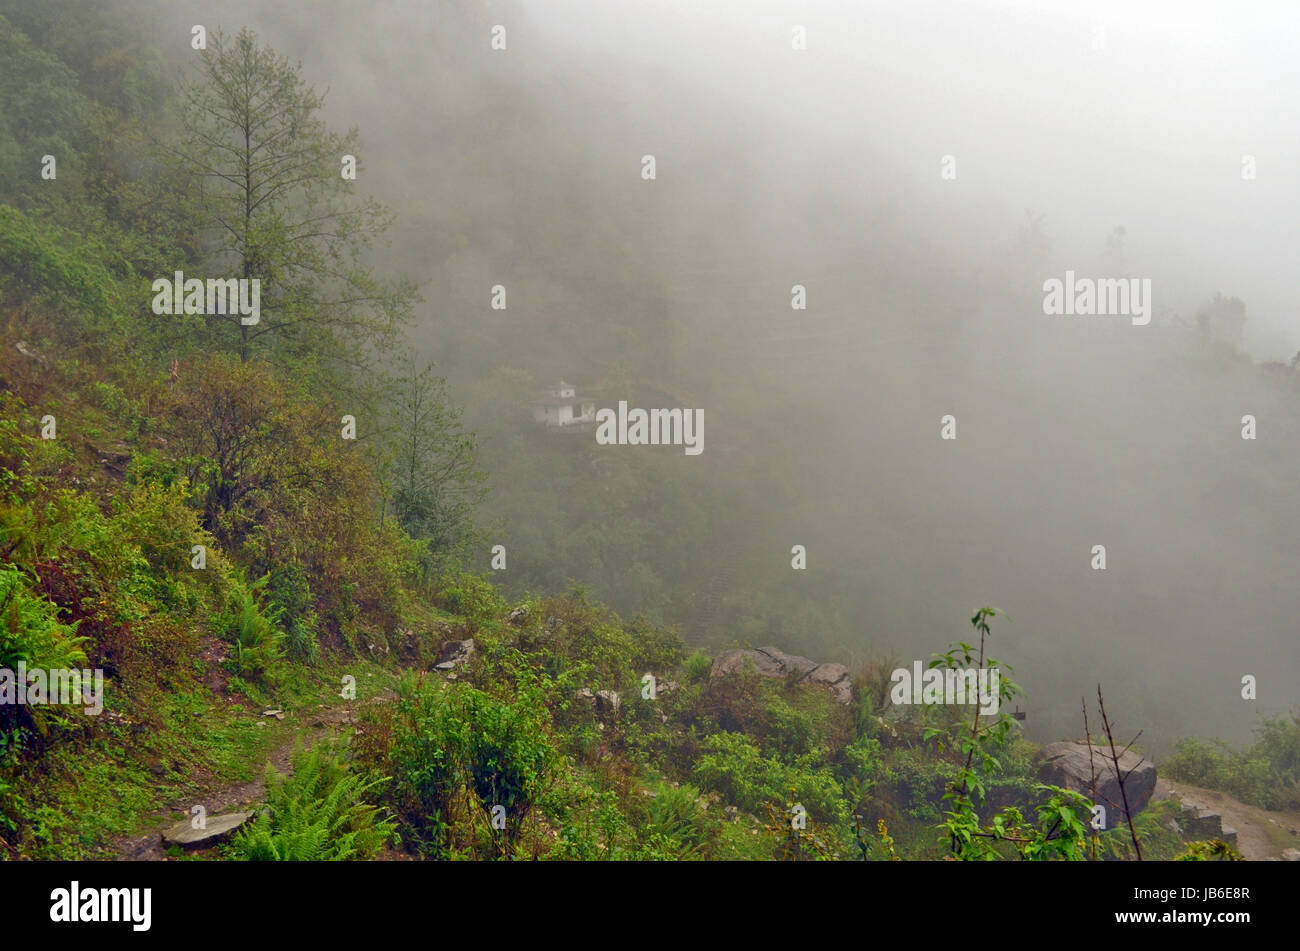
772,662
607,703
1197,822
1067,765
455,653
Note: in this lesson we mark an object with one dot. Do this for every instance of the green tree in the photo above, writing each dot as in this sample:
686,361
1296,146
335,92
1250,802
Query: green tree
436,481
43,114
276,207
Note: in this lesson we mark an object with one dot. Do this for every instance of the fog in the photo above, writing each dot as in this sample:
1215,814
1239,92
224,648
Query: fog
823,167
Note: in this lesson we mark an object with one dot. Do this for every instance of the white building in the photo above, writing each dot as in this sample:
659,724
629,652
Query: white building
561,406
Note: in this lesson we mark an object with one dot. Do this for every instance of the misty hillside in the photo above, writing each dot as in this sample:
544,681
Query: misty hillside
840,262
524,170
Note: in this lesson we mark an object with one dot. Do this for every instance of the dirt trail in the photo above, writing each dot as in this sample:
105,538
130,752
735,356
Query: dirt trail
148,847
1261,834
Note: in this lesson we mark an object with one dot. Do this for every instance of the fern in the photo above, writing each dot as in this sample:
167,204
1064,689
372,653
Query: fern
258,638
321,813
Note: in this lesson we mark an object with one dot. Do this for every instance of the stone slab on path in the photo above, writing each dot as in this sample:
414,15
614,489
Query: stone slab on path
216,829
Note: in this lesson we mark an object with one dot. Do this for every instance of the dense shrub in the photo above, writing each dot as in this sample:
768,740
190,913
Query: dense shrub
31,634
455,754
470,596
289,594
674,822
1266,774
732,765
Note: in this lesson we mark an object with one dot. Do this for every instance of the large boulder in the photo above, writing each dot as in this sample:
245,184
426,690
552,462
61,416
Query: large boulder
1067,765
768,661
775,663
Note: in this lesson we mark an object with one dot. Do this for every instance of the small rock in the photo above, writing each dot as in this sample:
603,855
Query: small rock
1291,855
